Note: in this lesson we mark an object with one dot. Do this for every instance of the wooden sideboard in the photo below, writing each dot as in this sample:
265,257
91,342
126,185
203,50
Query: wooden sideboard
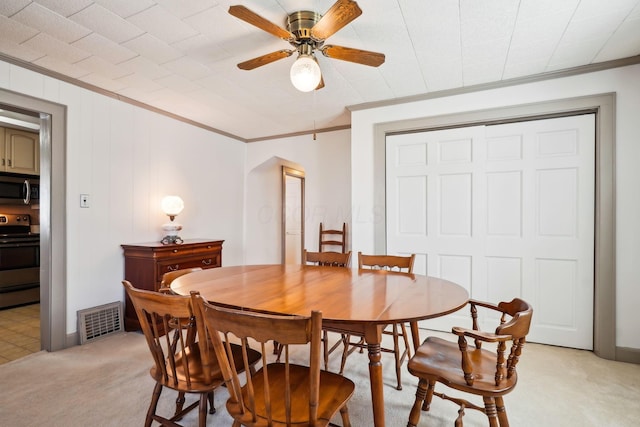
145,264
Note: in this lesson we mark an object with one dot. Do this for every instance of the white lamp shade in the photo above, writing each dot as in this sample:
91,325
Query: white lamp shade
172,205
305,73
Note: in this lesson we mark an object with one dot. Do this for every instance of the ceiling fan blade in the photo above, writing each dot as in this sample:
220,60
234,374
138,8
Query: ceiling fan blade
253,18
341,13
365,57
265,59
321,83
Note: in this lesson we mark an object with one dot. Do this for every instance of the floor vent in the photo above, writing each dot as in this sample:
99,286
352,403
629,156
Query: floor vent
98,322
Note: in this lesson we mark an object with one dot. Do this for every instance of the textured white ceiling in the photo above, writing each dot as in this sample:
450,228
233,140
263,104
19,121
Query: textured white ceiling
180,56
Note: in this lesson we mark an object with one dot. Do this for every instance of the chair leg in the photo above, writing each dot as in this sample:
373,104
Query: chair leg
154,404
396,353
427,400
415,336
325,342
502,412
405,335
490,411
212,407
345,339
179,404
458,421
421,392
344,412
277,350
202,410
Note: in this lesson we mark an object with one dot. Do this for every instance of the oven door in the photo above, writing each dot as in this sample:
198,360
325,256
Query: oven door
19,273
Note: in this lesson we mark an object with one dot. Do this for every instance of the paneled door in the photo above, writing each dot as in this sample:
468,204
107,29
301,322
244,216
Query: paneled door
504,210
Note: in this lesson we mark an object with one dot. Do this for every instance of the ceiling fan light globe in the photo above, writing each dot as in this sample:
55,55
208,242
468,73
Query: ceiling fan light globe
305,73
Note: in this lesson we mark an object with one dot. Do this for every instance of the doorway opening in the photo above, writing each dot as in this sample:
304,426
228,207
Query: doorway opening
52,119
292,215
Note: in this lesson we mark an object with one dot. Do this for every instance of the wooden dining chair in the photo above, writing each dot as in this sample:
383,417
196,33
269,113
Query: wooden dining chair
165,287
170,276
471,368
279,394
178,364
333,239
328,259
393,264
403,264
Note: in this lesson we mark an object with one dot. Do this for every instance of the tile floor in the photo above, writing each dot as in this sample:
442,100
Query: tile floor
19,332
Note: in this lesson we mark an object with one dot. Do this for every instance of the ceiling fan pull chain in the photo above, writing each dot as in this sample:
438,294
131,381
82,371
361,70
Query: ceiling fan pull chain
314,115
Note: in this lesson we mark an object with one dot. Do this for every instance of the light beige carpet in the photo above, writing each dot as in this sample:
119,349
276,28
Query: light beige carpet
107,383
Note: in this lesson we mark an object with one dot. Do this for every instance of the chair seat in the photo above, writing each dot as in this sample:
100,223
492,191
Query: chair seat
336,390
198,382
440,360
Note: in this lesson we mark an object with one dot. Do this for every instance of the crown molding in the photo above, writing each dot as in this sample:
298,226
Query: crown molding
600,66
356,107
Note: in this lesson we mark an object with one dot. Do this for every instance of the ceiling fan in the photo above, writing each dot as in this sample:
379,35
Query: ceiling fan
306,32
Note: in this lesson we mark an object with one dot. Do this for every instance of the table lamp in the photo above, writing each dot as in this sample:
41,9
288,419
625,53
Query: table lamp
172,206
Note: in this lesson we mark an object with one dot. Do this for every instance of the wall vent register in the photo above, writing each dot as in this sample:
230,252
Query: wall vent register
99,322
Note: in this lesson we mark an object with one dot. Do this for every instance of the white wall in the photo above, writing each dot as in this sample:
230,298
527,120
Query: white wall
327,166
625,82
127,158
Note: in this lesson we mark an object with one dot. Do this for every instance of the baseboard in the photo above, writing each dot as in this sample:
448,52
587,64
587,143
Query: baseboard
72,339
629,355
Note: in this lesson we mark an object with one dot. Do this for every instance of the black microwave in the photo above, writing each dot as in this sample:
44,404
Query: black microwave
19,191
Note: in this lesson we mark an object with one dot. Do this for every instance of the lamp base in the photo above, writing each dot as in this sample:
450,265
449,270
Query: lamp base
171,240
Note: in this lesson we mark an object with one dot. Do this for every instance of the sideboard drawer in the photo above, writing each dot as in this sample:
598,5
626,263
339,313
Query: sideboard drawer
203,261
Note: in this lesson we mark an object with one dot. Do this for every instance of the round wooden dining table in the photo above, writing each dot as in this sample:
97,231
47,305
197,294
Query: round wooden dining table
354,301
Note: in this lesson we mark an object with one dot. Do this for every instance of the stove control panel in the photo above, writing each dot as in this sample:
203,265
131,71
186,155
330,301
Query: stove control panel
15,219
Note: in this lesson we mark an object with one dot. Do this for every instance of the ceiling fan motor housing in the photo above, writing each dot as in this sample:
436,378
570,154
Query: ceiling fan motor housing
300,23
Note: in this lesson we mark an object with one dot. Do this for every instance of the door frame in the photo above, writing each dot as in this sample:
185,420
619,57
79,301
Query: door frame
603,105
53,291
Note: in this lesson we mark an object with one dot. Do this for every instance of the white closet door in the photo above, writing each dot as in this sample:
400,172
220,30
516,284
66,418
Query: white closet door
505,211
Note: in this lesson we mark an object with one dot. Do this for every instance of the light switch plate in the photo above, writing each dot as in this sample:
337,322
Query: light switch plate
84,200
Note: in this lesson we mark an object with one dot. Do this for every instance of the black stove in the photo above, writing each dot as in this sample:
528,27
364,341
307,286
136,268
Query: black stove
19,261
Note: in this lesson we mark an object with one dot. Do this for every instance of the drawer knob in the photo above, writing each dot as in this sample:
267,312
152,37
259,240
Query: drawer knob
170,268
175,251
207,261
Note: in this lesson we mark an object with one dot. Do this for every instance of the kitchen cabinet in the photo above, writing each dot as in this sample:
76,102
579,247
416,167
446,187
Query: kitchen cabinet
19,151
146,263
